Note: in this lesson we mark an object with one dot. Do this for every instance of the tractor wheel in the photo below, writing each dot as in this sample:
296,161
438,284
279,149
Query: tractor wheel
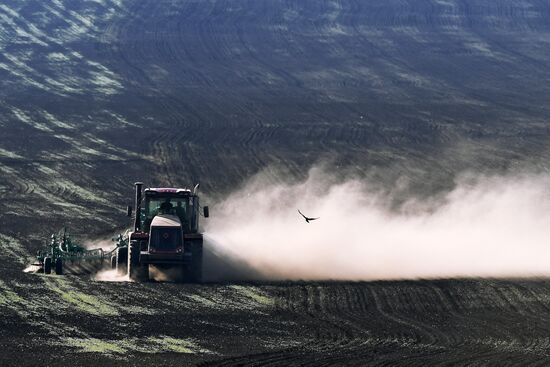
122,260
136,270
59,266
113,262
195,271
144,272
180,273
47,265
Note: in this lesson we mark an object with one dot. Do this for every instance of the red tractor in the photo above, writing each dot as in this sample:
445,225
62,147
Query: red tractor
165,235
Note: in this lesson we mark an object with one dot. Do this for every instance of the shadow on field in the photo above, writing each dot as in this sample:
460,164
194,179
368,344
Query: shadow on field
220,267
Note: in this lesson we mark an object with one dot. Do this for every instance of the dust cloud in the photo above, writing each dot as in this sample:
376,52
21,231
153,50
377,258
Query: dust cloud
31,269
484,227
111,275
106,244
105,273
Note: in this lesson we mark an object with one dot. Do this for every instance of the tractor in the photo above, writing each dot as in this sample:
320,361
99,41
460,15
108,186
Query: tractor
165,234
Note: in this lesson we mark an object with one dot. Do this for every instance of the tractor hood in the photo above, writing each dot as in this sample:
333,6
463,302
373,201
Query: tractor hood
166,220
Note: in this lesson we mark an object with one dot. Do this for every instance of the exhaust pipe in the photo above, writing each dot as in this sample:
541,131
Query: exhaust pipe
137,221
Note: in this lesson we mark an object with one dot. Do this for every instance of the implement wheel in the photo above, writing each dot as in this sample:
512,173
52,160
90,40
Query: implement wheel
59,266
47,265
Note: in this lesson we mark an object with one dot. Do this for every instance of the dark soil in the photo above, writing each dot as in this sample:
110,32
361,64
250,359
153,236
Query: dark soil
52,320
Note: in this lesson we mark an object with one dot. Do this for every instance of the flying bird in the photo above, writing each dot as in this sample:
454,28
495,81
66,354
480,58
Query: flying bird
306,218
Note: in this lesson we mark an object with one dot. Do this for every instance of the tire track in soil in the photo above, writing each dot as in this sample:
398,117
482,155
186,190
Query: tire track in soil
166,145
347,319
338,337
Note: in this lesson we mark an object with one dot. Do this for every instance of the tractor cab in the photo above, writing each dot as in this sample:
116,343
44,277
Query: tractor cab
181,203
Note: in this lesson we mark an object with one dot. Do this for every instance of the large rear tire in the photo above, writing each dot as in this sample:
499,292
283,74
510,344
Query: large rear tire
137,271
47,265
59,266
181,273
195,271
122,260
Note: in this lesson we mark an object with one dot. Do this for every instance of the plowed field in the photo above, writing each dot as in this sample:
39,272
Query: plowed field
98,94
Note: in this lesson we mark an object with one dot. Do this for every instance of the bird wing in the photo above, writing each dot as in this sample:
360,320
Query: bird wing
313,218
302,214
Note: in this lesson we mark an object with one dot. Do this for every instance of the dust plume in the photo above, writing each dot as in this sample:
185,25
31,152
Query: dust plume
31,269
164,274
110,275
106,244
485,226
105,273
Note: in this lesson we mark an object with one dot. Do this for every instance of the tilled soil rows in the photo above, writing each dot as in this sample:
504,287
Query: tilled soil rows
74,320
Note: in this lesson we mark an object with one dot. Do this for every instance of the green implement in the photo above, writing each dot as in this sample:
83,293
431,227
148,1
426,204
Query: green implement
63,252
